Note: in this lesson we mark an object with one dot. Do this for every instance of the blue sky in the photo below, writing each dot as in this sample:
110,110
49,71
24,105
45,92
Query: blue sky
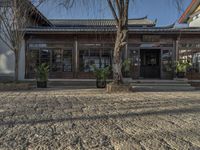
164,11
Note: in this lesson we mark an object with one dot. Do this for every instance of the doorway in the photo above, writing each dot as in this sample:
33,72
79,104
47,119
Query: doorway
150,63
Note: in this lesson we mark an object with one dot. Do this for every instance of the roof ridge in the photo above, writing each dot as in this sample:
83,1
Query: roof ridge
106,19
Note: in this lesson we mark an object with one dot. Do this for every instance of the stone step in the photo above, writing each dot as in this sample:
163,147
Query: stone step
157,81
161,84
72,83
162,88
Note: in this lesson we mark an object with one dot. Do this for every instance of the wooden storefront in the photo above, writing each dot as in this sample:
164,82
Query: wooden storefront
71,55
189,50
68,56
152,56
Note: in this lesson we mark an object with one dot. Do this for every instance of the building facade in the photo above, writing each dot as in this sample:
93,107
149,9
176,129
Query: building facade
191,16
71,47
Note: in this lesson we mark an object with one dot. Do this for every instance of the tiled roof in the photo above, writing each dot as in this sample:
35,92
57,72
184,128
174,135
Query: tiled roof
190,9
152,30
37,12
100,22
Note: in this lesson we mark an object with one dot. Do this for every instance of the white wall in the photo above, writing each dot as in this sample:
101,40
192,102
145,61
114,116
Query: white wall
195,23
6,58
7,62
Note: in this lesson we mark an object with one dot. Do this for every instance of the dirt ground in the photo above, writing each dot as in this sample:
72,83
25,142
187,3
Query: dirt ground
80,119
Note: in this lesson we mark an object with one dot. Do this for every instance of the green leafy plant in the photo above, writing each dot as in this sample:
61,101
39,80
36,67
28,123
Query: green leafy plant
127,65
182,66
101,73
42,72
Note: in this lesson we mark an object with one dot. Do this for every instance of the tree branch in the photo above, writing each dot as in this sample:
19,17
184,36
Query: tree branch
113,11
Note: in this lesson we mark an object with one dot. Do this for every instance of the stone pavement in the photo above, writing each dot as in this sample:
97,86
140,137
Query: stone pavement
79,119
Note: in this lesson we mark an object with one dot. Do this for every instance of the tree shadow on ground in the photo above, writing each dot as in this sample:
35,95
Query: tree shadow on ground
72,104
104,117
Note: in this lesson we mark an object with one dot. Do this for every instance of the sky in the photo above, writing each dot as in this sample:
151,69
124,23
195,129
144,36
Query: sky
165,11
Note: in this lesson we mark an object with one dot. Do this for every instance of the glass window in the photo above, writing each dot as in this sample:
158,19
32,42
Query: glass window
59,60
67,61
37,45
33,60
83,56
56,60
45,55
106,58
89,58
167,65
190,51
98,57
94,58
196,62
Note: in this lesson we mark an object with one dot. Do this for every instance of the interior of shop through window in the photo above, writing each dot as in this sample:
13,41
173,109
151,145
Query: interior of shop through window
59,60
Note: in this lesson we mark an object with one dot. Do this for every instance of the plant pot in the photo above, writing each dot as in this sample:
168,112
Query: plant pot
127,80
126,74
181,74
100,83
41,84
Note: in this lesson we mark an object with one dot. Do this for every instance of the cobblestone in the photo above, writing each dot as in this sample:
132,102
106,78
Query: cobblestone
81,119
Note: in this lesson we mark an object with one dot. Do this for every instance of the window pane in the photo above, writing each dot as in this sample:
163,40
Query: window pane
167,65
83,54
190,51
56,60
89,58
67,61
94,59
106,58
45,56
196,62
34,60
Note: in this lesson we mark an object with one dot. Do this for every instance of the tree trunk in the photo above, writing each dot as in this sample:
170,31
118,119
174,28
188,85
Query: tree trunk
16,65
117,61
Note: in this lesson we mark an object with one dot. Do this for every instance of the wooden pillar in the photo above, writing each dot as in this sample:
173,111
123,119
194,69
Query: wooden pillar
126,51
177,50
76,53
176,54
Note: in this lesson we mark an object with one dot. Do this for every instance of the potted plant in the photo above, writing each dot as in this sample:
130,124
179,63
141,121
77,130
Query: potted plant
101,75
42,72
181,68
126,67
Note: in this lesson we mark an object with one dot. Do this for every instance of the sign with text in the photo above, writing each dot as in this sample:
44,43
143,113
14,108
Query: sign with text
150,38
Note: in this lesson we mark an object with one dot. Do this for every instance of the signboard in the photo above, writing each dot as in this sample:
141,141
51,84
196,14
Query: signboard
150,38
146,45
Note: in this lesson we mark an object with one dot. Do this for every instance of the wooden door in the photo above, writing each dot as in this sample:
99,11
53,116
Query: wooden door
150,63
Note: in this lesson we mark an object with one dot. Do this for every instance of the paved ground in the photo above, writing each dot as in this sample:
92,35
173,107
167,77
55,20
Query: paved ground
91,119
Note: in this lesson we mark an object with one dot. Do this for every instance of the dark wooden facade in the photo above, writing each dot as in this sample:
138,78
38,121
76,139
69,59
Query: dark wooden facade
71,55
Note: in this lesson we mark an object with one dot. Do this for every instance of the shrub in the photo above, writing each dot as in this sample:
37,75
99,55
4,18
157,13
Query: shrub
182,66
101,73
42,72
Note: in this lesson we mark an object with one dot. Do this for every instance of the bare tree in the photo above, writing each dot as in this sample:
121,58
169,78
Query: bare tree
14,18
119,9
14,35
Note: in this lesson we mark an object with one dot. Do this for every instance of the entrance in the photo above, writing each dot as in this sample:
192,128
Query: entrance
150,63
